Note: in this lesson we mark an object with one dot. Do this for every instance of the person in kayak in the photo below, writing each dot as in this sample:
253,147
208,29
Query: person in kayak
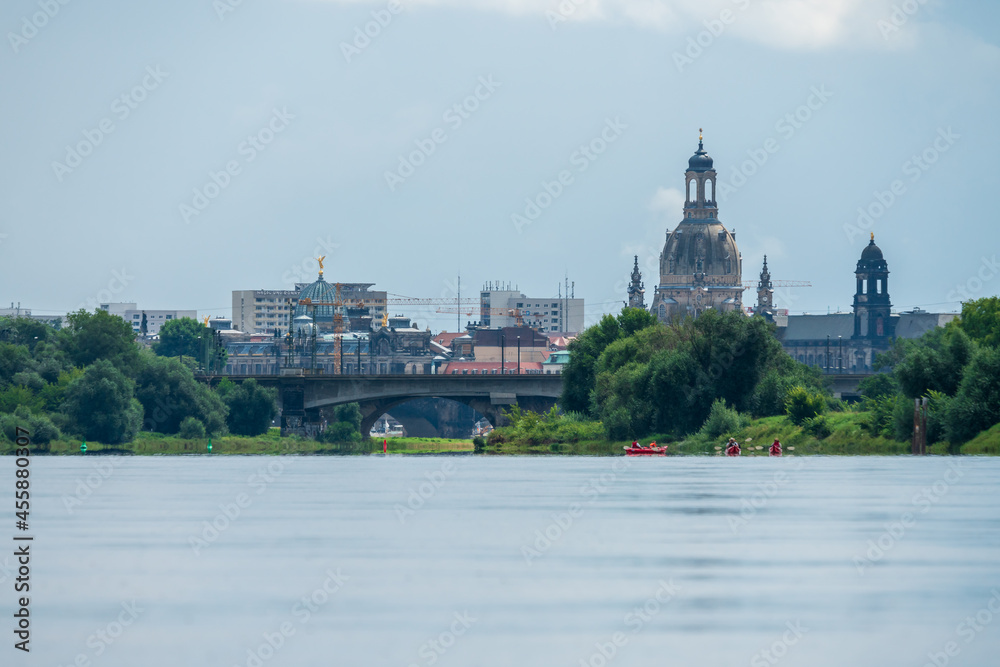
775,448
732,447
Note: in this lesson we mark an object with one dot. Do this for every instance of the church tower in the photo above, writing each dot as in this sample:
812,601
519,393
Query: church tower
636,290
765,295
700,266
872,309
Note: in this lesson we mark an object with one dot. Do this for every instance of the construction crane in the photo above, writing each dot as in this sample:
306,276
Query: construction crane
751,284
400,300
469,312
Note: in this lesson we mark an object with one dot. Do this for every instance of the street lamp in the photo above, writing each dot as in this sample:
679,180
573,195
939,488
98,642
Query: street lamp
840,354
503,349
518,355
828,353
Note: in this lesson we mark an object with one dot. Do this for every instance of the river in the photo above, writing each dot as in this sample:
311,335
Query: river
509,561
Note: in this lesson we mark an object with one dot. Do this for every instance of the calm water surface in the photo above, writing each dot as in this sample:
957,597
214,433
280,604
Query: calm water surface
509,561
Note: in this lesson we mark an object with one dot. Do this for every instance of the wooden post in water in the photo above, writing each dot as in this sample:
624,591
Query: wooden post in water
923,425
919,445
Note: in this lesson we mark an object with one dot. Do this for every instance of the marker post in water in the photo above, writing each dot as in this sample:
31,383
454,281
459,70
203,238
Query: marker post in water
385,445
83,447
209,445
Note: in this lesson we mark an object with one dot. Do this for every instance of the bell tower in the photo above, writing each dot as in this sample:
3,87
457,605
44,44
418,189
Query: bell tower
765,294
699,185
872,308
636,290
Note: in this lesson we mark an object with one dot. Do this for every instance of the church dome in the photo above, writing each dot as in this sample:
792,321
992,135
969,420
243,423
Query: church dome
697,247
317,291
700,161
871,252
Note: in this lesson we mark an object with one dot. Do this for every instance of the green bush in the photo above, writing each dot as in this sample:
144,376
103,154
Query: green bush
41,429
530,428
817,427
721,420
880,421
251,408
340,433
191,429
802,404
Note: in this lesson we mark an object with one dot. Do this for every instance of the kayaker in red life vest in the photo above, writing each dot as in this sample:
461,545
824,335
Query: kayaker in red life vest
732,447
775,448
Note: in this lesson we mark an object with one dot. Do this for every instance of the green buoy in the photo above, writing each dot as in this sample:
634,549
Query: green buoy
83,447
209,444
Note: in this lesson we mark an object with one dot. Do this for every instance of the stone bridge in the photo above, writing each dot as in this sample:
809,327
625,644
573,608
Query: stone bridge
301,397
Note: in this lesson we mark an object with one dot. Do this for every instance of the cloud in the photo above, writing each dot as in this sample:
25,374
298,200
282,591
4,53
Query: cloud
780,24
669,201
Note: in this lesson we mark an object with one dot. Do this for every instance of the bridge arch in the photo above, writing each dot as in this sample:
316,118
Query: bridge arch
302,397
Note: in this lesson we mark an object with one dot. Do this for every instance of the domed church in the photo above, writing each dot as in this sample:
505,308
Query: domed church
700,266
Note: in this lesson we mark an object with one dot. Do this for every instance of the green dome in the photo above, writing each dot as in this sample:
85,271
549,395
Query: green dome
317,291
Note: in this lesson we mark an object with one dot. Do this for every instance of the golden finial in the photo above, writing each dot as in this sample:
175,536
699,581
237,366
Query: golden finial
205,319
873,237
699,134
320,260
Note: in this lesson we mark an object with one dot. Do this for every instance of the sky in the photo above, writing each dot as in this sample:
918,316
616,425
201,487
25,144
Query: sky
170,153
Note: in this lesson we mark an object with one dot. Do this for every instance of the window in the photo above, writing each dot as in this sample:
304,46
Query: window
170,317
135,317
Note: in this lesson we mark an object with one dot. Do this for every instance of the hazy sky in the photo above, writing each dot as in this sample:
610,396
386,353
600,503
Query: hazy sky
169,153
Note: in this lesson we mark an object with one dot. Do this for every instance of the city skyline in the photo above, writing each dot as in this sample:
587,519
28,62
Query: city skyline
313,149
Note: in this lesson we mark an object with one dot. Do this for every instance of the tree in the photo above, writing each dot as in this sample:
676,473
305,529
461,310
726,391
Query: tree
41,427
348,413
935,362
101,406
13,359
251,408
24,331
99,335
980,320
169,393
976,405
183,337
878,386
664,379
579,374
632,320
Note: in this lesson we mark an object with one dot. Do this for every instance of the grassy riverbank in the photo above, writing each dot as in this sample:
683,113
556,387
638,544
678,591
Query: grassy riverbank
848,437
271,444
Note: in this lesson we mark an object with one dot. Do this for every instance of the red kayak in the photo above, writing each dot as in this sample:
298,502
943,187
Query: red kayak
639,450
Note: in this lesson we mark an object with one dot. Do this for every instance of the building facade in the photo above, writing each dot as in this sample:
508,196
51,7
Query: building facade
154,318
700,266
848,342
263,310
501,308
